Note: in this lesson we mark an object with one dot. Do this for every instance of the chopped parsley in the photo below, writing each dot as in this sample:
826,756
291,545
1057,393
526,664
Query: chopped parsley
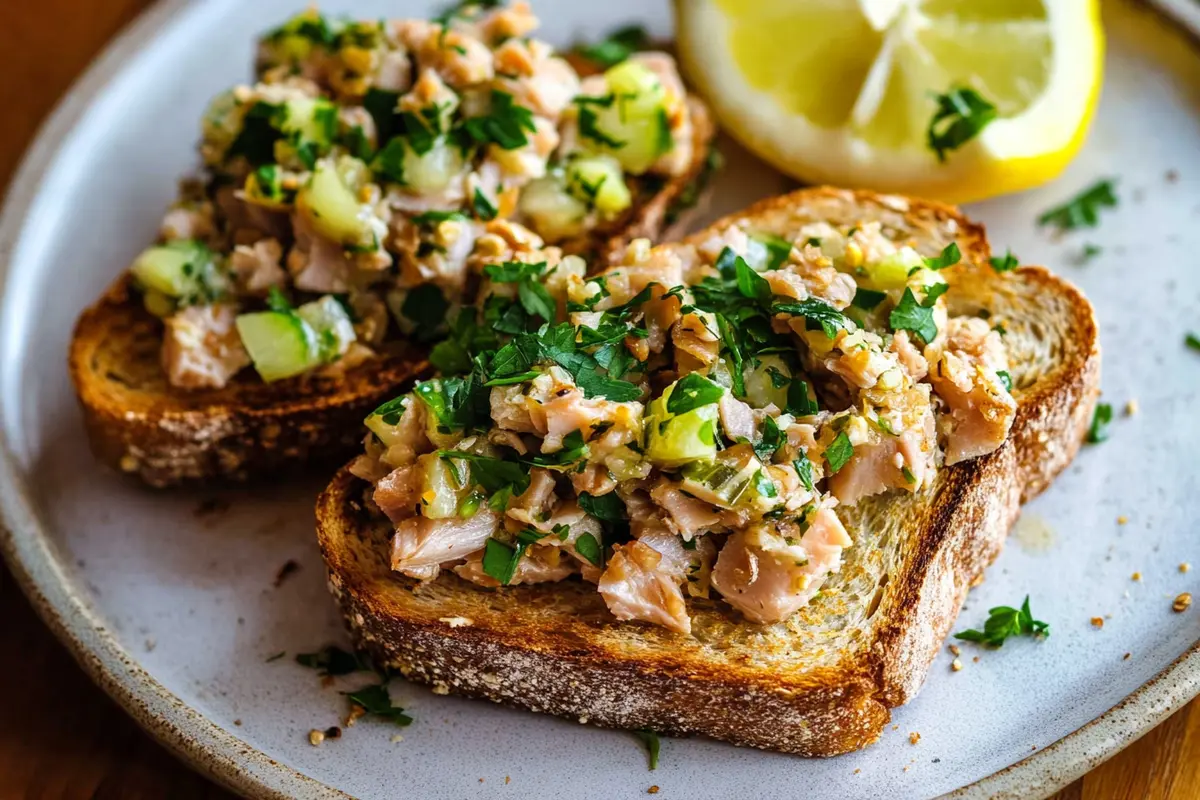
911,315
392,410
949,256
587,546
772,439
907,473
960,116
616,47
1098,430
1006,263
1005,380
804,469
818,313
493,474
376,701
505,124
764,485
589,126
606,508
482,207
650,740
426,307
1003,622
1192,340
693,391
839,452
1090,251
500,560
332,661
867,299
1083,210
573,450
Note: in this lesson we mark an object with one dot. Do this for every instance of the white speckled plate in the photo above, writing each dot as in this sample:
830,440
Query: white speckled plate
175,614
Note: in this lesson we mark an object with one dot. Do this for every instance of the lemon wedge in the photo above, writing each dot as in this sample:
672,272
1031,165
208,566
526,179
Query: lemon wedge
844,91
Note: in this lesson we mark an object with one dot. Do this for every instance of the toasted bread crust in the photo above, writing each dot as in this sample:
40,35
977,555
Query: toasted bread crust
139,424
553,647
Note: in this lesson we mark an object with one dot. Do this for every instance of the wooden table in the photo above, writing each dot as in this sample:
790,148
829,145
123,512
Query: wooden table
60,737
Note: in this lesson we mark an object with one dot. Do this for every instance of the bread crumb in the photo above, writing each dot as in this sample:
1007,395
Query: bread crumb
1121,520
1131,407
481,780
956,650
1127,656
1137,576
507,780
333,732
1185,567
397,738
857,771
315,737
975,659
1182,602
956,665
1097,622
914,737
895,727
237,722
356,713
652,790
907,768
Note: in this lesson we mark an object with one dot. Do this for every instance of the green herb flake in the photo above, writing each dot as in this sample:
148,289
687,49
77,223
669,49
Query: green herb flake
764,485
1098,430
1083,210
1004,622
817,312
693,391
949,256
839,452
392,410
867,299
650,740
917,317
804,469
426,307
376,701
616,47
482,207
1005,380
1005,263
961,114
587,547
500,560
606,508
1192,341
1090,251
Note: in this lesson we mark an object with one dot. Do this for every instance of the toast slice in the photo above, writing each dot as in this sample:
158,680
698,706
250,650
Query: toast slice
139,424
822,682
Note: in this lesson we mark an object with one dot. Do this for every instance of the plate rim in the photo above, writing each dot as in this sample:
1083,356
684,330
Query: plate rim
237,765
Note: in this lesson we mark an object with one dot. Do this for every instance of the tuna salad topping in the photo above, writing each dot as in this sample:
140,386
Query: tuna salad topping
348,191
687,423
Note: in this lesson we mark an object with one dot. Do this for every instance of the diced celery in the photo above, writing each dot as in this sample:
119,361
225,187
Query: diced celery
551,210
890,272
761,380
599,180
332,207
441,489
675,440
331,323
431,172
280,343
179,269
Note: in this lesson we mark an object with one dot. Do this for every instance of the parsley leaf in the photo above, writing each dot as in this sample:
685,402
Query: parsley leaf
1003,622
839,452
483,207
692,391
804,469
375,701
801,401
750,283
772,439
587,546
960,116
729,341
573,449
817,312
949,256
650,740
1192,341
500,560
513,271
426,306
1006,263
505,124
1005,380
536,300
493,474
332,661
917,317
616,47
867,299
1082,210
392,410
606,508
1098,431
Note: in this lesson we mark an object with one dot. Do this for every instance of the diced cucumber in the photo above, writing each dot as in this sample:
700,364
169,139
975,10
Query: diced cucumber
179,269
599,181
310,121
441,489
675,440
637,85
761,380
331,323
332,207
552,211
890,272
280,343
431,172
721,482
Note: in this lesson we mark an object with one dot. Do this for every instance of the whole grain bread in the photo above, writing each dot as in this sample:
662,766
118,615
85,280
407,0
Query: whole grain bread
822,682
249,430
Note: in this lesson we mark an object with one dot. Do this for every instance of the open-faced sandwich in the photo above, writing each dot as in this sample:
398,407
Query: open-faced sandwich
349,197
737,485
